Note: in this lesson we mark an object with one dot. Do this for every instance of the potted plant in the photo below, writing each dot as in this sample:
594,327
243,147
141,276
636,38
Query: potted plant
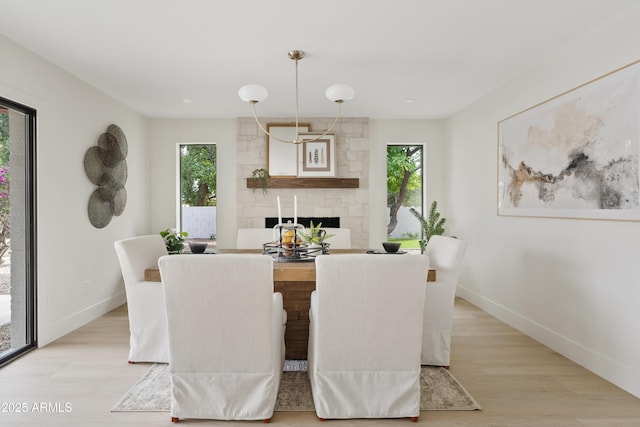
174,240
260,175
314,237
432,225
314,234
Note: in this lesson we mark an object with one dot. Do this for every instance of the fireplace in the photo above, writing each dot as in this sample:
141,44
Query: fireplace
328,222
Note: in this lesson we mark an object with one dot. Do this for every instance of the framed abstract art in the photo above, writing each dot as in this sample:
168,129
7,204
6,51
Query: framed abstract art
575,155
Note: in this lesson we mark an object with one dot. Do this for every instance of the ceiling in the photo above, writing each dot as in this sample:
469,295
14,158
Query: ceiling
188,58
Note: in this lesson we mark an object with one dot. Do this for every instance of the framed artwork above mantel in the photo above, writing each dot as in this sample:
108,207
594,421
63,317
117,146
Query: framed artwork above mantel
316,155
310,164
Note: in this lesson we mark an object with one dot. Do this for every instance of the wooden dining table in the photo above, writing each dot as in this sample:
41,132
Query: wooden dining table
295,281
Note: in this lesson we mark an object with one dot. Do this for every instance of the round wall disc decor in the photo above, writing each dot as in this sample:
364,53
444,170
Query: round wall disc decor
106,166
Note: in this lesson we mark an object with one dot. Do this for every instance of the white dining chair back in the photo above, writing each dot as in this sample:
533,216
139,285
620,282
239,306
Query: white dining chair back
254,238
226,335
365,332
341,238
446,255
145,300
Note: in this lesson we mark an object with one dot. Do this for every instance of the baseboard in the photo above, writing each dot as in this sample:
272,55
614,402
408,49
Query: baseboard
622,376
51,332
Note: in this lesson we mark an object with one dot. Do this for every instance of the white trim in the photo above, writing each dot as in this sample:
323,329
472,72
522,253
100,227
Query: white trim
625,377
50,332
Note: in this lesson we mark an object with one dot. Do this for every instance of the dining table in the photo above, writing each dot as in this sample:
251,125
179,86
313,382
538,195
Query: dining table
295,281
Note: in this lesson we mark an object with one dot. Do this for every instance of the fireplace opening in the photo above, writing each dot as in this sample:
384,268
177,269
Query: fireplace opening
327,221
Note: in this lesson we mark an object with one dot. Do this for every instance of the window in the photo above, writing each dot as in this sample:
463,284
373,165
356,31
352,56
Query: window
17,230
405,190
197,188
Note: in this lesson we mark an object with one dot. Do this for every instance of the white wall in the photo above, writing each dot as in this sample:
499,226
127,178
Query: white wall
407,223
383,132
199,221
71,115
165,135
571,284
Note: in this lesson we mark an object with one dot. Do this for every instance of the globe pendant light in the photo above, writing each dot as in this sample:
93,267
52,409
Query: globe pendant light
253,93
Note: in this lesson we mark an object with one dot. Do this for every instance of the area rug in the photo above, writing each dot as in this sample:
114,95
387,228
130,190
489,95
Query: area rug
440,391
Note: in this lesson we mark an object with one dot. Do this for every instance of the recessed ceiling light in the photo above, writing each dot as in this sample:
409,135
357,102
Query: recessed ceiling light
186,101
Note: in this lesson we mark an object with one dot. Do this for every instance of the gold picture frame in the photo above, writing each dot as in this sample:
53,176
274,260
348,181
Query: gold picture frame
575,155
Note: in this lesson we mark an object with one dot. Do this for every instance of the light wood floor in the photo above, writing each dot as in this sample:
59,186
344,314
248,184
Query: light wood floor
517,381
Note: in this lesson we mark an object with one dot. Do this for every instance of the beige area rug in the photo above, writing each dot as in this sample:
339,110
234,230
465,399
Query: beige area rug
440,391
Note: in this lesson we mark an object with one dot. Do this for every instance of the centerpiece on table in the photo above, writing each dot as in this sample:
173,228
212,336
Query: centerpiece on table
314,237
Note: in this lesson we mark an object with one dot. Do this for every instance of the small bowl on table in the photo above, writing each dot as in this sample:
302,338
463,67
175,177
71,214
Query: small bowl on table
198,247
391,247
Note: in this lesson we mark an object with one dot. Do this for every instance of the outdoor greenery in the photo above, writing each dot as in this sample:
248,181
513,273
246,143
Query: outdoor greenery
4,139
404,180
432,225
5,211
405,242
174,240
198,174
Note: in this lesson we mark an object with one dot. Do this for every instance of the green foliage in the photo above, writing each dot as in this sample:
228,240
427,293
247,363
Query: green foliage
432,225
5,212
260,175
411,236
4,139
404,179
198,171
5,208
405,242
174,240
403,163
314,234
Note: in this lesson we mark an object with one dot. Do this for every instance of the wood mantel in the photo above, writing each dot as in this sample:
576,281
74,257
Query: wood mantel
294,182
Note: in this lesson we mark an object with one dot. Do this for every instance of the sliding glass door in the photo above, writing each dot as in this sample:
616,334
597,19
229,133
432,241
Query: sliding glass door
17,230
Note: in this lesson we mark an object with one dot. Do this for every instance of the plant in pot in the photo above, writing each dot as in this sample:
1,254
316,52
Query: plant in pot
174,240
314,236
260,175
432,225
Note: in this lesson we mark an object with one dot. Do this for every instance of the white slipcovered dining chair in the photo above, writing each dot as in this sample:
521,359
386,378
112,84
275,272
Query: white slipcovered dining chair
445,255
341,238
254,238
226,335
364,337
148,340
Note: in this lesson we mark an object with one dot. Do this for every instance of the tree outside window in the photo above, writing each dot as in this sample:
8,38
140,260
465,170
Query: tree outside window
198,175
404,180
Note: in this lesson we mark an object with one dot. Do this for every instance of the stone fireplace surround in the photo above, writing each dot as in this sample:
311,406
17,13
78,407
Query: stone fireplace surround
352,161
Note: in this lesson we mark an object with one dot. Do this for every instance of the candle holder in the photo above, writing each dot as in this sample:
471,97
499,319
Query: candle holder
287,246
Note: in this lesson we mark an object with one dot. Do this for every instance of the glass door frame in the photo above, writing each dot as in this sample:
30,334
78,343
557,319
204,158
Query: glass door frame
30,234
